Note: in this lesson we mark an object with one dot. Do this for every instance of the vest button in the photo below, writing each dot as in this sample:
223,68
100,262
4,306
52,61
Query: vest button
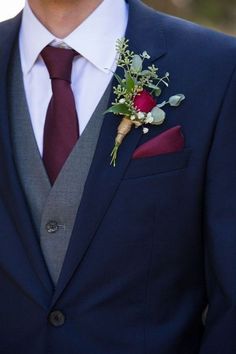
56,318
52,226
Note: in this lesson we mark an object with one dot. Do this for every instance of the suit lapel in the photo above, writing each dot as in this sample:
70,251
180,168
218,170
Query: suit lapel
103,180
20,251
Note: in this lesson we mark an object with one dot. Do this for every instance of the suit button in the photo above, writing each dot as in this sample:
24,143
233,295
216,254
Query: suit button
56,318
52,227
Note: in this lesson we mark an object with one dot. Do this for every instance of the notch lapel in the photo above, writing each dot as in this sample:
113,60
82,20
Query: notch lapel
20,253
103,180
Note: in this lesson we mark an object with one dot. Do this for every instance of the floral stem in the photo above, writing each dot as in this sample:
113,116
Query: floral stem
114,154
122,130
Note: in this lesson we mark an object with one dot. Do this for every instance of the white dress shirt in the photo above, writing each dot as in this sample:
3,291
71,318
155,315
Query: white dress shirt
94,39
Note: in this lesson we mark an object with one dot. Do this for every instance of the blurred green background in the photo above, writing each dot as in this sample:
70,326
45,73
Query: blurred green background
218,14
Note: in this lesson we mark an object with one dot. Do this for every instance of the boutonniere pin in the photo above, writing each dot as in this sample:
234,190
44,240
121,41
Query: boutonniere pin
136,94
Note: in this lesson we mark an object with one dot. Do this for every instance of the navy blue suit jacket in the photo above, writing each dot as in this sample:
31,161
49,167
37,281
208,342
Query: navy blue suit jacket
155,238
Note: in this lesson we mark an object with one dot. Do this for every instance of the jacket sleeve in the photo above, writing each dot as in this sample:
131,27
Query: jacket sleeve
220,232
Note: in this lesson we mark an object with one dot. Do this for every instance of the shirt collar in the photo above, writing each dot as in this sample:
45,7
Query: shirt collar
94,39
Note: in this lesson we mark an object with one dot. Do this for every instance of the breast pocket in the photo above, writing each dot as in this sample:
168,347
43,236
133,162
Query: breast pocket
148,166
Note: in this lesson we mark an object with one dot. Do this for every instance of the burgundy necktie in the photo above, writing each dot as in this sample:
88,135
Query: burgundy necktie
61,130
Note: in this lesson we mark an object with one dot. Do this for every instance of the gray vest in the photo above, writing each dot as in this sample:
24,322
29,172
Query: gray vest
53,209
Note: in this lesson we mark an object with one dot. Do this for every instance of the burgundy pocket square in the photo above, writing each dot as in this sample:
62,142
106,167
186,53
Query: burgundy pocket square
171,140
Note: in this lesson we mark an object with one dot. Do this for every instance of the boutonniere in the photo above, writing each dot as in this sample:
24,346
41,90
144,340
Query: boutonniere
136,94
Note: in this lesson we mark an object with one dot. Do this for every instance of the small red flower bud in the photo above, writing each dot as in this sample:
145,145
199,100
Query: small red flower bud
144,101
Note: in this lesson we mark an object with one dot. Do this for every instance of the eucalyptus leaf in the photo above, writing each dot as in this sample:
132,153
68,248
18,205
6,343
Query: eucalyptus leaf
158,115
120,108
175,100
157,91
153,87
137,63
160,105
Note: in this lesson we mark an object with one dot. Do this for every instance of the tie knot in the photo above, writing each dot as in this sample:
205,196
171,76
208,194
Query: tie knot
58,62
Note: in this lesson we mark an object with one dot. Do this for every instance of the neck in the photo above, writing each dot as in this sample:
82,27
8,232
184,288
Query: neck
61,17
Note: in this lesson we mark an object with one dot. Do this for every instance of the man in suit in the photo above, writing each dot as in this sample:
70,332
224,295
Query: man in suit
96,259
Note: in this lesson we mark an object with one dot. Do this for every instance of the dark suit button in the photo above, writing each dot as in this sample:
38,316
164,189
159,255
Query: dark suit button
52,226
56,318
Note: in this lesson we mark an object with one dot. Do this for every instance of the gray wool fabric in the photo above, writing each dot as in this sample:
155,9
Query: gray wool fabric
53,209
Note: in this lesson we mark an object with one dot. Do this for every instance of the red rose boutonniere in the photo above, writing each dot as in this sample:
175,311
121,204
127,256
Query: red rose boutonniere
136,94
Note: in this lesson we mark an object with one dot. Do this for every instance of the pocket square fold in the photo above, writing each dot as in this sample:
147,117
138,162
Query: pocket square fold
171,140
